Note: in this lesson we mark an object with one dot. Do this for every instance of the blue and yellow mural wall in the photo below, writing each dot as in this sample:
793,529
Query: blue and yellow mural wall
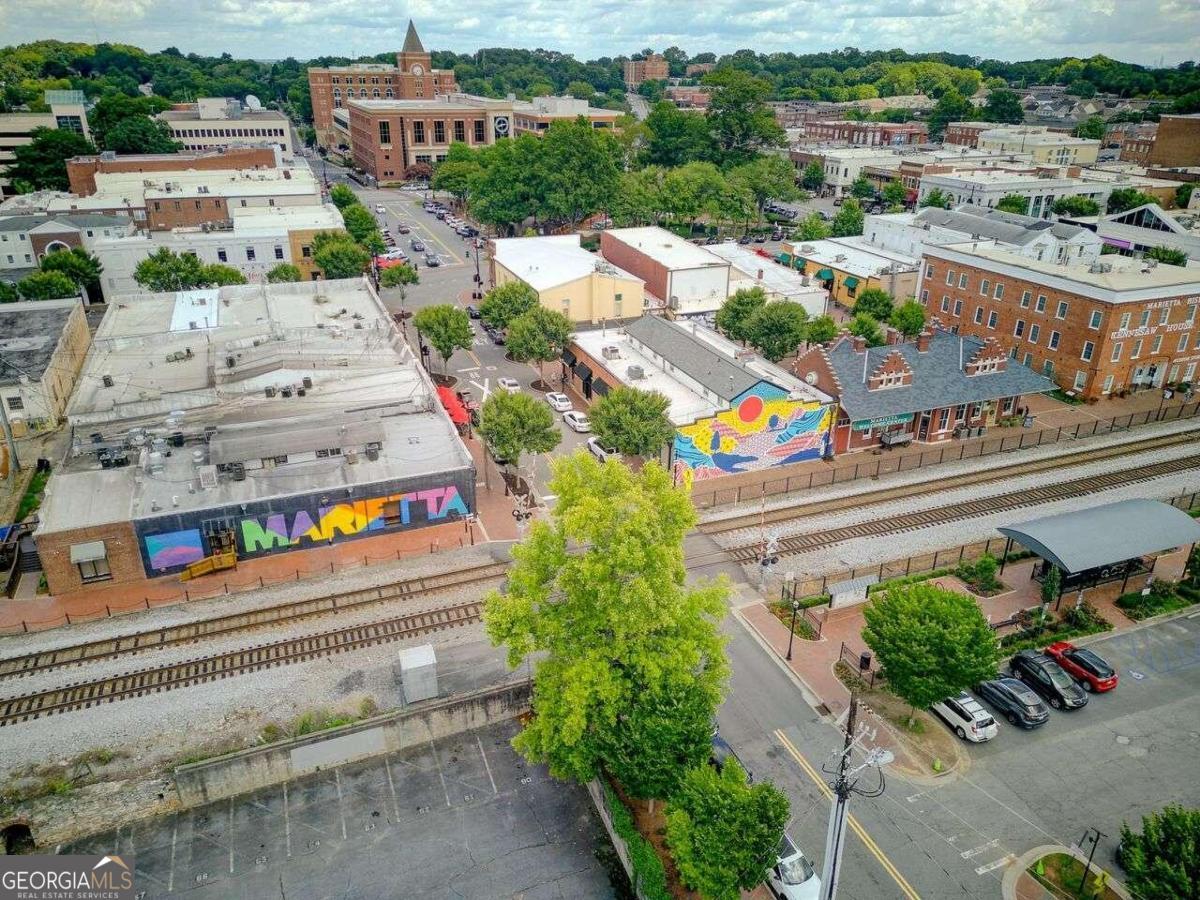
283,524
763,428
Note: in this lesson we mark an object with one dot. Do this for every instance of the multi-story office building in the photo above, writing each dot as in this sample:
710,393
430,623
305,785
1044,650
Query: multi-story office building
214,122
67,111
868,134
412,78
653,68
1044,146
536,115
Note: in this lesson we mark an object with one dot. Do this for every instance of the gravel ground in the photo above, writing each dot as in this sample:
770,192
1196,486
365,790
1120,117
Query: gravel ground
182,613
934,474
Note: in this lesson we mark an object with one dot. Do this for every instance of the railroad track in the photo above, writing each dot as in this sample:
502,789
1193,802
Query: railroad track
192,632
803,510
971,509
85,694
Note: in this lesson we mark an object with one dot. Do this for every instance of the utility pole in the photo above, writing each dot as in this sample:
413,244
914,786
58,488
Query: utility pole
1095,843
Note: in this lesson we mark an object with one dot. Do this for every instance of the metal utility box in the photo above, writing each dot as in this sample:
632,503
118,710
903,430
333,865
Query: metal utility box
418,673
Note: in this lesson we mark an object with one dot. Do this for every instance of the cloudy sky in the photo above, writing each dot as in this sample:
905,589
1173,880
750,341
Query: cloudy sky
1142,31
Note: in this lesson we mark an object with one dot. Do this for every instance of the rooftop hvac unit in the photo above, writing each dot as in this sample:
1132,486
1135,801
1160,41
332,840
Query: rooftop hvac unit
230,362
372,453
611,352
306,381
301,392
107,380
351,457
208,477
269,391
238,471
286,391
635,373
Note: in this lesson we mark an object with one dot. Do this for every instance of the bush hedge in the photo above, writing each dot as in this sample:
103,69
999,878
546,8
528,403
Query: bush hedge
1078,622
649,876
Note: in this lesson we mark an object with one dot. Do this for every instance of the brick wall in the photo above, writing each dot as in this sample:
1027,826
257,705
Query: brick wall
632,260
83,169
165,214
1177,143
120,543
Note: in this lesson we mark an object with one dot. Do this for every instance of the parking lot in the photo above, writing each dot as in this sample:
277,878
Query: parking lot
462,817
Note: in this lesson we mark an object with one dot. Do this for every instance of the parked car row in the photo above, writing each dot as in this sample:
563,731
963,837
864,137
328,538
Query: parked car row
461,227
1062,676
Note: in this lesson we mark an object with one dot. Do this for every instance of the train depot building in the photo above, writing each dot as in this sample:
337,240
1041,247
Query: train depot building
216,427
934,388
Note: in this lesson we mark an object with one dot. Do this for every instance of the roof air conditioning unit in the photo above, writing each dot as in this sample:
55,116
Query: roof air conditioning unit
351,457
373,453
307,382
107,380
635,373
269,391
611,352
286,391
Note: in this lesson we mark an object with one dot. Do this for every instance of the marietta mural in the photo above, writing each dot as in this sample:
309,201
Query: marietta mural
291,530
764,428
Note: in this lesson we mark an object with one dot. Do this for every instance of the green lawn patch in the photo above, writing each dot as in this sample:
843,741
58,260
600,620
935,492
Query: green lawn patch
1061,874
1163,597
1075,623
31,501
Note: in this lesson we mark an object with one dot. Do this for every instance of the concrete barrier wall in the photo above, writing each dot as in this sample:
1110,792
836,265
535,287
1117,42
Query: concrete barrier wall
257,767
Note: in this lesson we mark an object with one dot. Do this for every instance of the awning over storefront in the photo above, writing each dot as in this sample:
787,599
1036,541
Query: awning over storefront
89,552
454,407
825,274
600,387
568,357
583,371
850,282
783,258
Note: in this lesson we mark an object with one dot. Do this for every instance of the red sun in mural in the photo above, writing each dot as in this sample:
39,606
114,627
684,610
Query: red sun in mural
750,409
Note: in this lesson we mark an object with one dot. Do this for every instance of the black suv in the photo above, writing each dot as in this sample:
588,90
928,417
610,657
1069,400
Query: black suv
721,751
1016,702
1047,678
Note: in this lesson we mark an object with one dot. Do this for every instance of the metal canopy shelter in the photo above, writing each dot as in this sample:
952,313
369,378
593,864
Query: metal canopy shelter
1103,535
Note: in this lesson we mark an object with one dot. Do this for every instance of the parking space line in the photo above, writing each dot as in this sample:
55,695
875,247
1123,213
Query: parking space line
995,864
975,851
230,835
171,871
287,823
337,780
486,765
438,762
905,888
387,767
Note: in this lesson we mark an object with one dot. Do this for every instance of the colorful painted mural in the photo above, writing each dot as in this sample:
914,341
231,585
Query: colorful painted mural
175,548
763,429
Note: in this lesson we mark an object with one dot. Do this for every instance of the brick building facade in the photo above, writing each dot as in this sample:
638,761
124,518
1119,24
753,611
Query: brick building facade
1177,142
1119,324
966,134
868,134
412,78
652,68
82,170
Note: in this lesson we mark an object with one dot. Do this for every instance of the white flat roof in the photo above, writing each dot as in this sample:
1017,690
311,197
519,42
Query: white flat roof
275,219
775,278
667,248
547,262
858,257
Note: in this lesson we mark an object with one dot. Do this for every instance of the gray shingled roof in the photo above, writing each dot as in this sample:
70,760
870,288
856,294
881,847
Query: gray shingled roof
692,356
994,224
78,220
938,378
28,336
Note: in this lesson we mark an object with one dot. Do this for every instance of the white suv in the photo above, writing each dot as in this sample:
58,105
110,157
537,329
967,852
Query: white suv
599,451
966,718
793,876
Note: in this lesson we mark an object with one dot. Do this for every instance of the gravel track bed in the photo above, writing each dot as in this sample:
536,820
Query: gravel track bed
273,595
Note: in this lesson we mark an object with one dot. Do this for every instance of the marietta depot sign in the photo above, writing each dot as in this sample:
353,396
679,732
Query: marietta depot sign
883,422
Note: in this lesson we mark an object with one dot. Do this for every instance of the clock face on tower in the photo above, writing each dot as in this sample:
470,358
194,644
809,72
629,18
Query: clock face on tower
418,69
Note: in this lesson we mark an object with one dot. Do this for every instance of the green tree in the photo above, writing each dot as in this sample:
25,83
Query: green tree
739,120
42,163
861,189
1013,203
632,421
342,197
9,292
693,190
509,187
812,228
218,274
1051,585
849,220
80,266
1003,106
676,137
723,832
456,177
875,303
598,599
539,335
578,170
1122,199
284,272
399,278
908,318
361,225
951,107
733,318
1076,206
821,330
865,327
813,176
447,328
580,90
766,178
1092,128
1183,194
777,329
141,134
895,193
1168,255
937,198
512,424
932,642
338,256
113,110
507,301
1163,862
47,286
164,270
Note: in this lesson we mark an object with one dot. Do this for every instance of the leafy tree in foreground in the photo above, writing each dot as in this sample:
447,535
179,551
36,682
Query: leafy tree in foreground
598,594
875,303
937,198
931,642
861,188
777,329
1127,198
539,335
447,328
164,270
1183,194
735,313
141,134
361,225
821,330
812,228
9,292
632,421
848,221
1003,106
217,275
1163,862
866,327
505,302
895,193
46,286
1168,255
78,265
724,833
1013,203
338,256
1076,206
342,197
813,176
908,318
399,277
284,272
513,424
42,163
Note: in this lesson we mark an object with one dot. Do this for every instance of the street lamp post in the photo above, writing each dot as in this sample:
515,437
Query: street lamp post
1095,842
792,633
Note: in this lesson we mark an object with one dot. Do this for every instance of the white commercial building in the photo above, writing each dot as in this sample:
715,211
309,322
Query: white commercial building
779,282
843,165
1044,146
987,187
682,276
67,112
213,122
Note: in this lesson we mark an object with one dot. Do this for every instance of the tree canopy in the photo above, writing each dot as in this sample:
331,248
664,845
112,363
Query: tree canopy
81,267
165,270
1076,206
908,318
507,301
821,330
284,272
447,328
733,316
1163,861
867,328
849,220
338,256
632,421
141,134
777,329
46,286
875,303
937,198
513,424
42,163
539,335
1122,199
1013,203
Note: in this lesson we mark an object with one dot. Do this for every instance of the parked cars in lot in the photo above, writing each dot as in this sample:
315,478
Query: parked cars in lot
1048,680
793,876
577,421
418,246
380,208
1092,672
1015,701
473,312
402,229
558,402
508,384
966,718
432,260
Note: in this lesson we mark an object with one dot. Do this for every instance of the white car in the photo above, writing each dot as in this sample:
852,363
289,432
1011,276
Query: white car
577,421
380,208
599,451
558,402
793,877
395,253
508,384
966,718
